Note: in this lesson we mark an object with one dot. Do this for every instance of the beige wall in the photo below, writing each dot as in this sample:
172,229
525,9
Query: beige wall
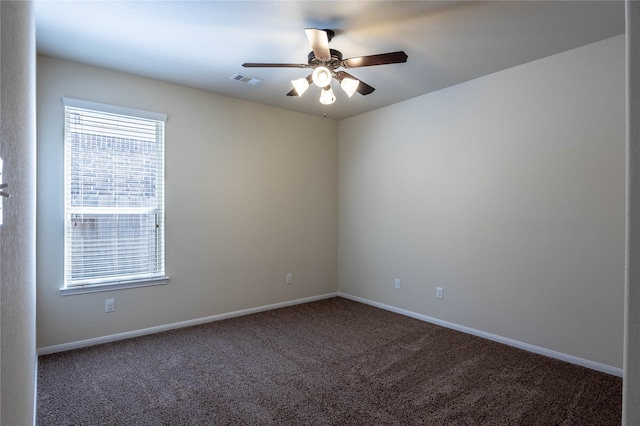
509,192
17,234
251,195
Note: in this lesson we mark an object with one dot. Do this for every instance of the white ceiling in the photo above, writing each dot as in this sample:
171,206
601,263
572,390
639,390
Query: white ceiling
201,44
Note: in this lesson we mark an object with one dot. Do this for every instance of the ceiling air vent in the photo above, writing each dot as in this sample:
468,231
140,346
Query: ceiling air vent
245,79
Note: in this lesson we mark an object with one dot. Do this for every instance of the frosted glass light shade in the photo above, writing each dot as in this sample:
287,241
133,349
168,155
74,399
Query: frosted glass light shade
326,96
349,85
301,85
321,76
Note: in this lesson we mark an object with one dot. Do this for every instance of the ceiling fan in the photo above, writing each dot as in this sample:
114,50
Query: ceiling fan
325,62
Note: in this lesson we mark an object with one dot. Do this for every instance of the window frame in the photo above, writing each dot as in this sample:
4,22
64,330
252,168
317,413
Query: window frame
105,284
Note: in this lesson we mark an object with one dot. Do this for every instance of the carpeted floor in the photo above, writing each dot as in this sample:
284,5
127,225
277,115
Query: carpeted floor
331,362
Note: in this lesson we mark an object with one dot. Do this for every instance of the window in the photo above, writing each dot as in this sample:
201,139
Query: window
114,197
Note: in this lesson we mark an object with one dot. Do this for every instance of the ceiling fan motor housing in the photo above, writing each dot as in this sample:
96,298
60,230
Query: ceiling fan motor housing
334,62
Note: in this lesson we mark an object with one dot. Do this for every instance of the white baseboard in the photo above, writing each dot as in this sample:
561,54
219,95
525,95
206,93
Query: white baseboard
35,389
521,345
515,343
145,331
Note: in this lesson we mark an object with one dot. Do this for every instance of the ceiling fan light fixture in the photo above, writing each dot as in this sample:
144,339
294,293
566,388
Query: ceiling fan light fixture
301,85
326,96
321,76
349,85
324,61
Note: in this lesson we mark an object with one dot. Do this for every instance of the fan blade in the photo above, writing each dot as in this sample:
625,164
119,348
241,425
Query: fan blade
259,65
319,43
380,59
293,92
363,88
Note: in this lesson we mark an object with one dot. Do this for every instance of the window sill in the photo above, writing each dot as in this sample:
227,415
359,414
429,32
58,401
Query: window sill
95,288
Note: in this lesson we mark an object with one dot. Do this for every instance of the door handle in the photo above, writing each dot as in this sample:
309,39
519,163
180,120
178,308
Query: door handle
2,193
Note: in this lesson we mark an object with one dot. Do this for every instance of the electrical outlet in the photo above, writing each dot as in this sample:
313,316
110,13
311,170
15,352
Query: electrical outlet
396,283
439,293
109,305
289,278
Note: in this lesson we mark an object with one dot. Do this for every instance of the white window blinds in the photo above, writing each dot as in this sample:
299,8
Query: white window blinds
114,194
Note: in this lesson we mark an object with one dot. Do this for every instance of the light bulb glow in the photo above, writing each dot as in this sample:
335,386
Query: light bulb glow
326,96
322,76
301,85
349,85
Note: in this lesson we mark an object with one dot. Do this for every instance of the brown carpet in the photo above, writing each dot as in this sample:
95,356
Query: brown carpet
331,362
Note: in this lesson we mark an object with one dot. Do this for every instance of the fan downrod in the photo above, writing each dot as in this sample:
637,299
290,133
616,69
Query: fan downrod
330,33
